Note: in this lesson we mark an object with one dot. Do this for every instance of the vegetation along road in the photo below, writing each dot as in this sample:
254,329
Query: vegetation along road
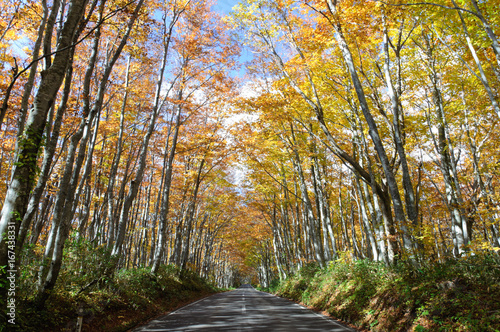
343,154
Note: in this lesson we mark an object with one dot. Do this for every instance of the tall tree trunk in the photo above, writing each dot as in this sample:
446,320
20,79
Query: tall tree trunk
459,223
67,197
411,206
372,126
190,216
48,156
165,202
309,218
24,169
482,76
167,175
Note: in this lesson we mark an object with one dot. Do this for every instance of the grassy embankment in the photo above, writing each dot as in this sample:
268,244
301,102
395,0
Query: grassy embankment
128,298
132,297
457,295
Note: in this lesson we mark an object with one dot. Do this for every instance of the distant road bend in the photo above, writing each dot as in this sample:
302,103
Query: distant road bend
244,309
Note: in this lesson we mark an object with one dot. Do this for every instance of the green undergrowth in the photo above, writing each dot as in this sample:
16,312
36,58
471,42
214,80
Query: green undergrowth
457,295
129,298
114,303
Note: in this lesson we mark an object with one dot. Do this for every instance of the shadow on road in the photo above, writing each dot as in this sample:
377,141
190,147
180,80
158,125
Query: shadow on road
244,309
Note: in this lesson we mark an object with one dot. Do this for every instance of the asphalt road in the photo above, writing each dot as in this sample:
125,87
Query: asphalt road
244,309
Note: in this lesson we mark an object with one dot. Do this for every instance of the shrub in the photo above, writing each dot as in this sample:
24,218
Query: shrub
455,295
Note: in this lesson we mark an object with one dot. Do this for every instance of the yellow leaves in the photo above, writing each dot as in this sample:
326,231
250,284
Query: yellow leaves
345,257
245,9
480,245
11,35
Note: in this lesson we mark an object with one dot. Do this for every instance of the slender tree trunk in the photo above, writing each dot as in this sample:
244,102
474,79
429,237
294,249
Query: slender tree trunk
48,157
165,203
29,143
190,216
67,198
442,146
482,76
373,131
411,207
167,175
17,197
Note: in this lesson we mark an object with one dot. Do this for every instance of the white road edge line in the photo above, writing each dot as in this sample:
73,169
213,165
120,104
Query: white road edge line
324,317
320,315
188,305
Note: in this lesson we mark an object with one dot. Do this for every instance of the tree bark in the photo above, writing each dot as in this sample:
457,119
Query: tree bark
24,170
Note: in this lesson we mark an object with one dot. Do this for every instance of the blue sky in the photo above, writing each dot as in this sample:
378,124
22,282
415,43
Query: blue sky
224,6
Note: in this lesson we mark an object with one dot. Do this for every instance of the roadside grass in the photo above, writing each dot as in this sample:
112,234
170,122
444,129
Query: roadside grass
456,295
117,303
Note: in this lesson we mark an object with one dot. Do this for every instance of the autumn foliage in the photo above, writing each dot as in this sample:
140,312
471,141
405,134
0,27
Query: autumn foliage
360,129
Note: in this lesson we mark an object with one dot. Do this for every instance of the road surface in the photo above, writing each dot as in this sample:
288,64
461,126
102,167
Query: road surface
244,309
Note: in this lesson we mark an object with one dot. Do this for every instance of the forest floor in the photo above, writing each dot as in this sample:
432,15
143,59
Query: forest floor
125,318
456,295
131,298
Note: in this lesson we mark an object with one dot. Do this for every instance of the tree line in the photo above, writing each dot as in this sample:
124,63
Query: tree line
112,135
374,130
364,130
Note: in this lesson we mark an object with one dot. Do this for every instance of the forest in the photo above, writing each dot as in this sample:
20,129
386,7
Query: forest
271,142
